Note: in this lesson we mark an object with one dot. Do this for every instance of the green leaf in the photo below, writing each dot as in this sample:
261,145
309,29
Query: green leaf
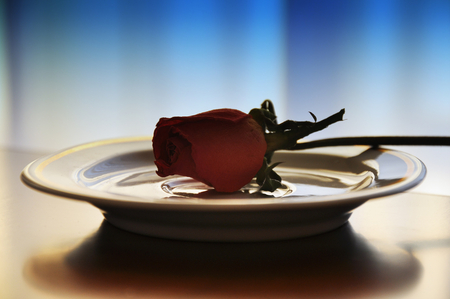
286,134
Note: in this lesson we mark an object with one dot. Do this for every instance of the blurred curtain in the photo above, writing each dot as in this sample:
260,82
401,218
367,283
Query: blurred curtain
386,61
74,71
81,70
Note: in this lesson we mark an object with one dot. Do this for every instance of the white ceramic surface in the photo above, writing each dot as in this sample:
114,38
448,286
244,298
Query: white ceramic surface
321,188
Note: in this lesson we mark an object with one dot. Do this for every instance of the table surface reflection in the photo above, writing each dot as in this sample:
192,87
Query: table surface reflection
393,247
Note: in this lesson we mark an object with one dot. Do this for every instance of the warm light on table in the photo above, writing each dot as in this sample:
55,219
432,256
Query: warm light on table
393,247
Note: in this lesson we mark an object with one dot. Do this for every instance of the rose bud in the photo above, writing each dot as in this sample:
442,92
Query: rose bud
222,148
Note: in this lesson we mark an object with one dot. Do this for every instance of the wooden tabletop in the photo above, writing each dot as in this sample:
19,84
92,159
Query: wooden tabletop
50,247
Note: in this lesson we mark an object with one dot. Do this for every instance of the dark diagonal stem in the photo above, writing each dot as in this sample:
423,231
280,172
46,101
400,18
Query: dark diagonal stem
377,141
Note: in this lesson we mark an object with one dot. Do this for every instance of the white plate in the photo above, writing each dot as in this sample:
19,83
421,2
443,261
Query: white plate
320,189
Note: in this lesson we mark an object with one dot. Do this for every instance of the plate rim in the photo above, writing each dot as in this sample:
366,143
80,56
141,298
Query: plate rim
122,201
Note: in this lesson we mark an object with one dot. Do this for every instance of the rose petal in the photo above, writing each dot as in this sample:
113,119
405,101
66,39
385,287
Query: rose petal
226,148
227,155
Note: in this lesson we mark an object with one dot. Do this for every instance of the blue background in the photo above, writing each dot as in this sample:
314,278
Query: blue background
75,71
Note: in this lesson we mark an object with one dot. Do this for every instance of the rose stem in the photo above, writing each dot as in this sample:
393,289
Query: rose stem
318,126
376,141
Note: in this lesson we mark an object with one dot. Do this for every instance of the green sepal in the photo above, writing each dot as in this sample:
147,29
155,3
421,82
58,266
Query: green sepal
265,118
283,136
267,178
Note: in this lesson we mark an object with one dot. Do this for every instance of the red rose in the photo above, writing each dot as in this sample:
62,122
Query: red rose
222,148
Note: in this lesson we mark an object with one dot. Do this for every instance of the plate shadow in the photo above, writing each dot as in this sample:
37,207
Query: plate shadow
114,263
